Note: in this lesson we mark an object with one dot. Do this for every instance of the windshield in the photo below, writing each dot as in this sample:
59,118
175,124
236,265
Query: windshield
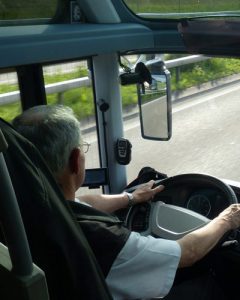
178,8
205,122
27,9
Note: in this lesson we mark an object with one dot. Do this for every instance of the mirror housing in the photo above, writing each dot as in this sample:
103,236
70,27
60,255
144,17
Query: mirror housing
141,75
155,105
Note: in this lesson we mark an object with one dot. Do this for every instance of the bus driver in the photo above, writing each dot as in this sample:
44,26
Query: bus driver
134,266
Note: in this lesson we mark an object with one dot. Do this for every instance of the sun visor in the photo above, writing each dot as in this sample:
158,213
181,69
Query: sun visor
211,37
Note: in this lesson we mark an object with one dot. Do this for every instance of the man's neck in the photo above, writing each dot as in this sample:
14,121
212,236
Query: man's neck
68,191
67,184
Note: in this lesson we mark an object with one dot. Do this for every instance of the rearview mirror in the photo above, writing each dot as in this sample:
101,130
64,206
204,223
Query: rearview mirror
155,104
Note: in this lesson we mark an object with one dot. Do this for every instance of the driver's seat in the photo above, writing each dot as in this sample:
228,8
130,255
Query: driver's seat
57,243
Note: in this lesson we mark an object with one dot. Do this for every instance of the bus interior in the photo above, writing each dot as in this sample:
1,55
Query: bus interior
154,84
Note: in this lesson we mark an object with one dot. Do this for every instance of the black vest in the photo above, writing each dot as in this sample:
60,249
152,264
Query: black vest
105,233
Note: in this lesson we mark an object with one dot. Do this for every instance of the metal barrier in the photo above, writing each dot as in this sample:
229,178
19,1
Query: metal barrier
63,86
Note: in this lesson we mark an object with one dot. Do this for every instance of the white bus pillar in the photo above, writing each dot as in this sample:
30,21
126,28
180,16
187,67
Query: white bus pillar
107,89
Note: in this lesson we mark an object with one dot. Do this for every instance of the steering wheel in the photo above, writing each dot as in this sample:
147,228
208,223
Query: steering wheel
170,221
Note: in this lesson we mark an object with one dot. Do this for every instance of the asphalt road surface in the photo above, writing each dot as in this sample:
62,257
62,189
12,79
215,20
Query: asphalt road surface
205,138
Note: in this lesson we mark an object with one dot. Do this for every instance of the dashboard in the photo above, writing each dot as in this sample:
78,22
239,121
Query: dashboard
206,201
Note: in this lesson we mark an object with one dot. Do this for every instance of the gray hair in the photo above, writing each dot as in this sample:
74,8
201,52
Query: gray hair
54,130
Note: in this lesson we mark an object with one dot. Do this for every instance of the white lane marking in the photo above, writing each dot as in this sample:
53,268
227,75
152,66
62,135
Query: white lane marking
190,103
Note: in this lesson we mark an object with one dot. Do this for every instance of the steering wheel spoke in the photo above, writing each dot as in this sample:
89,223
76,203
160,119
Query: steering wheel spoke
173,222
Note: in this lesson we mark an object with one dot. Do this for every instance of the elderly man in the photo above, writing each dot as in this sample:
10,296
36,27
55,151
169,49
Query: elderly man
134,266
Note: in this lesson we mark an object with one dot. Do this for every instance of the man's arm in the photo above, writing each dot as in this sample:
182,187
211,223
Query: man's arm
111,203
198,243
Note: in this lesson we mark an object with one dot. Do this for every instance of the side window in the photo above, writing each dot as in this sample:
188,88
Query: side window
70,84
10,105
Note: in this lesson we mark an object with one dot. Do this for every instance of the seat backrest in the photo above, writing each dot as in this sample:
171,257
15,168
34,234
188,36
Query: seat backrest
12,286
57,243
19,277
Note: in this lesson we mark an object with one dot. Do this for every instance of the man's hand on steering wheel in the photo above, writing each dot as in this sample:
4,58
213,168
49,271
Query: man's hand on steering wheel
145,192
231,216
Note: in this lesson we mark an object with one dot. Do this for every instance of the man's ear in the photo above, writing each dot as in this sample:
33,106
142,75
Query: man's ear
74,160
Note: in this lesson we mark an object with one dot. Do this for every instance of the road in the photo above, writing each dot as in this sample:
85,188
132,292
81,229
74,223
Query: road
205,138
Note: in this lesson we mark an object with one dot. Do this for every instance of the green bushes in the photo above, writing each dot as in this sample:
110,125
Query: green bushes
81,99
208,70
9,111
183,6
